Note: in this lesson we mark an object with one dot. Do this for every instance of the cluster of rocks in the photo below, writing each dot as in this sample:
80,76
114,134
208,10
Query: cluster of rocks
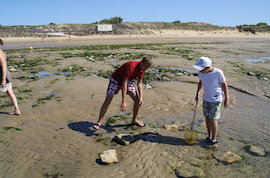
188,162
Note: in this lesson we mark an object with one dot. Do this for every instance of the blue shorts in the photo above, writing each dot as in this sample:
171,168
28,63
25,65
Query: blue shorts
211,110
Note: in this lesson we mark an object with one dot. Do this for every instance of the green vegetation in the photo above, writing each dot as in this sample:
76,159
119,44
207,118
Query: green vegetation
111,120
113,20
106,74
8,128
176,22
47,98
260,27
27,64
74,68
185,53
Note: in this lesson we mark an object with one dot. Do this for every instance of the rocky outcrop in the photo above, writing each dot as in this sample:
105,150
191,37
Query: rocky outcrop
227,157
256,150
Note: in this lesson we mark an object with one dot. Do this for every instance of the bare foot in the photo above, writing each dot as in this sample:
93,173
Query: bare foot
138,123
16,112
97,126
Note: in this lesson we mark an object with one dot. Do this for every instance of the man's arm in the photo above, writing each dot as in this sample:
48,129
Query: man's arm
140,88
198,90
124,95
3,66
226,93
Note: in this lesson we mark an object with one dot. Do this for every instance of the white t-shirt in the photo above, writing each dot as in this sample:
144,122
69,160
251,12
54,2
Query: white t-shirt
212,90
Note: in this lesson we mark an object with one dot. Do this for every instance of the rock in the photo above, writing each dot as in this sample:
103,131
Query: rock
179,74
171,127
187,170
251,73
228,157
109,156
12,69
256,150
148,87
124,139
265,78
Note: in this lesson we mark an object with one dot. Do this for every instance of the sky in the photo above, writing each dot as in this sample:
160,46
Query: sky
216,12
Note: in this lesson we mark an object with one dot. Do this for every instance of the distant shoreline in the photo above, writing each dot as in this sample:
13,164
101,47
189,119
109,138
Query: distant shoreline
166,36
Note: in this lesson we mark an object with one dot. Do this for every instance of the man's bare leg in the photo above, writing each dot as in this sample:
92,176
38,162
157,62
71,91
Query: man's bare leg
103,110
14,101
136,107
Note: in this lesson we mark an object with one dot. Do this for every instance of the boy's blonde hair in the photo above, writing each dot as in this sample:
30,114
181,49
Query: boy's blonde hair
147,60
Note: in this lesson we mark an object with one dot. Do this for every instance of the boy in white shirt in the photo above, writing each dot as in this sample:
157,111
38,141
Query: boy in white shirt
215,88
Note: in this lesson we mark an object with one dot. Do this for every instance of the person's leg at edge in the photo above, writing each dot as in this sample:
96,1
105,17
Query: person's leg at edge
214,129
136,107
103,110
14,101
209,127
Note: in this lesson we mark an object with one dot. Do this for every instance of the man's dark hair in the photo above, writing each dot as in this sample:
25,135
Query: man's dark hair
1,42
147,60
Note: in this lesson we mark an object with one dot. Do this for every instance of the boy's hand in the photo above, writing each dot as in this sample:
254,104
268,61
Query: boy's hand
123,107
197,99
226,103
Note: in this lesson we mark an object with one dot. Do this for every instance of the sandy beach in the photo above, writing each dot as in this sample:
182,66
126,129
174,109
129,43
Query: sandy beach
54,136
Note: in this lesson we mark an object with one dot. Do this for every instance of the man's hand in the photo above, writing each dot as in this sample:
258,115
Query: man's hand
123,107
226,102
141,102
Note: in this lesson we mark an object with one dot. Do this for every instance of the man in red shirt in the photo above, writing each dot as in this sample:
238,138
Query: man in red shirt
122,79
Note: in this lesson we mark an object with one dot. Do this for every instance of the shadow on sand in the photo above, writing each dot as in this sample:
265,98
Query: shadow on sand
4,113
87,128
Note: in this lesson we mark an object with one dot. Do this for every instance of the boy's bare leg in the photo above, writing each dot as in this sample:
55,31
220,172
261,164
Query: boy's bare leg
103,110
14,101
214,129
209,126
136,107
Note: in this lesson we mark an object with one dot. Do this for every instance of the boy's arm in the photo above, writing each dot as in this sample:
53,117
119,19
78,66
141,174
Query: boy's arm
124,95
3,66
198,90
226,93
140,88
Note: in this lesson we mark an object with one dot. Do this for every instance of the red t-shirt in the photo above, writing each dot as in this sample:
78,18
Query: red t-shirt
130,70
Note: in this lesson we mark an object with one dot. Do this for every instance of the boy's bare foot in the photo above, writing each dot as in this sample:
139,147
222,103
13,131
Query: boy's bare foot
138,123
97,126
16,112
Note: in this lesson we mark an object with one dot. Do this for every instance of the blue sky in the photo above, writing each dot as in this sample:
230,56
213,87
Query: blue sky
216,12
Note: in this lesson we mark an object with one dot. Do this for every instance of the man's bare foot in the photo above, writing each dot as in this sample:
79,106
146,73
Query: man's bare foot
96,126
15,112
138,123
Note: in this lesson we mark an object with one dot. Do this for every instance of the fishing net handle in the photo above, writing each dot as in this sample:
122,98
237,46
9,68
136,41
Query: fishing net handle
194,115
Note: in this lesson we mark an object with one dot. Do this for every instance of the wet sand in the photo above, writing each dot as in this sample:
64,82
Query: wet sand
56,138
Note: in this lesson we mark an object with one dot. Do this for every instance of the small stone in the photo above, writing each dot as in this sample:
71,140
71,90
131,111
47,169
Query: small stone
124,139
148,87
179,74
265,78
251,73
171,127
109,156
256,150
228,157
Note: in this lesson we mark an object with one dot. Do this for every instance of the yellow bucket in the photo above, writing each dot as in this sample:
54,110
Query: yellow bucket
191,137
